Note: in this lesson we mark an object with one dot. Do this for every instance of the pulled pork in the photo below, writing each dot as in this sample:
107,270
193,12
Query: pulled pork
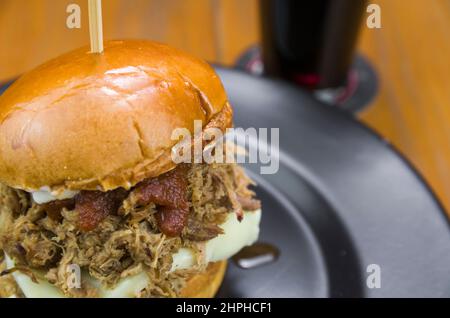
120,233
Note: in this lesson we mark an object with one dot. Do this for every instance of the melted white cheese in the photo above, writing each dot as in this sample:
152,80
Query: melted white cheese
236,236
44,195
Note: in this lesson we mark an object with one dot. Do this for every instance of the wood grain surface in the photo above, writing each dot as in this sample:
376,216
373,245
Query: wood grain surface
32,31
411,53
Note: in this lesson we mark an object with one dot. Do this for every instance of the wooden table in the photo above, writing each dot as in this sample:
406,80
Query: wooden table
411,54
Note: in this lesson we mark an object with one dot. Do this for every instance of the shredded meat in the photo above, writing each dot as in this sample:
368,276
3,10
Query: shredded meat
53,208
8,286
198,231
121,233
248,203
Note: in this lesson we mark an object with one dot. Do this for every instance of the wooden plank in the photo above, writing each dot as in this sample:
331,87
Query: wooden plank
412,56
33,31
237,27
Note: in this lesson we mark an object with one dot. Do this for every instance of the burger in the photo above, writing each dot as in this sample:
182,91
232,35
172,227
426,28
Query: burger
92,203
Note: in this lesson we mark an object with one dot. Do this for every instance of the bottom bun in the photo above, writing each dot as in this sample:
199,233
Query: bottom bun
203,285
207,284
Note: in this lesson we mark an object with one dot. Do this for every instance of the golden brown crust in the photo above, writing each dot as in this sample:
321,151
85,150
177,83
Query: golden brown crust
207,284
85,121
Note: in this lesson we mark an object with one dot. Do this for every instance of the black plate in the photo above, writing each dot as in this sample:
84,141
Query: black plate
343,199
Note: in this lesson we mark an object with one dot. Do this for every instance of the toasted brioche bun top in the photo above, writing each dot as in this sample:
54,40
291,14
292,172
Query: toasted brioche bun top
103,121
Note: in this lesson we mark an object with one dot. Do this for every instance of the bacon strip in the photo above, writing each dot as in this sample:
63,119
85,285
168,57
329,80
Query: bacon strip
169,193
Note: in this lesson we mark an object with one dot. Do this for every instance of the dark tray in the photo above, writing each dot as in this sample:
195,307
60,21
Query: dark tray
343,199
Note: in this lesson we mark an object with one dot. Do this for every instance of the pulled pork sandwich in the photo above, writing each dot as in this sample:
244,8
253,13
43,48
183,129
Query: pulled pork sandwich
91,202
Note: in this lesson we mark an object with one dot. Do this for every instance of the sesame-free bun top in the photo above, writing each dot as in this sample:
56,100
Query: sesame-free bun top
102,121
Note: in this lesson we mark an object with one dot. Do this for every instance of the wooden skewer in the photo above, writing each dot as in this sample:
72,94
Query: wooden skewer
96,26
